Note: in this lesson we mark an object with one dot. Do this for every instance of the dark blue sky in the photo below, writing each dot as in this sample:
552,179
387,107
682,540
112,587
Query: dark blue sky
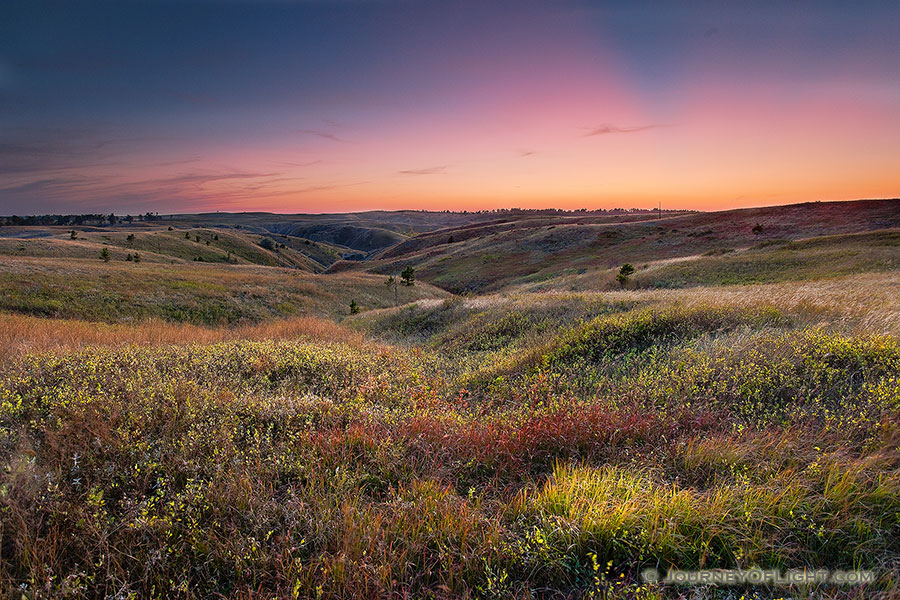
317,106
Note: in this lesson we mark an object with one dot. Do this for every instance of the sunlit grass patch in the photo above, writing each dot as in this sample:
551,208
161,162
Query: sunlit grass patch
639,330
832,512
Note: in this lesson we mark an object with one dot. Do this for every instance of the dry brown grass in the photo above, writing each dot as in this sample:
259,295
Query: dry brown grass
20,334
864,303
868,302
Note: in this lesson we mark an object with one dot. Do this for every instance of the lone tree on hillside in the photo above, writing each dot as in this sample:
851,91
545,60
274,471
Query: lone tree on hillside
624,273
408,275
104,254
757,229
354,307
73,235
267,243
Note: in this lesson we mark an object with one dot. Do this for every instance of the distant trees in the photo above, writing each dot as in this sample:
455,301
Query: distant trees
267,243
408,275
625,272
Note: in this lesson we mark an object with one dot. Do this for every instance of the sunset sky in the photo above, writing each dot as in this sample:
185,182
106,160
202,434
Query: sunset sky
332,106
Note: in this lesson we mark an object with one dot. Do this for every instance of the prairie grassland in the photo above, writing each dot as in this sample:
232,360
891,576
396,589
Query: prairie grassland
212,431
23,334
687,436
585,253
198,293
701,265
155,244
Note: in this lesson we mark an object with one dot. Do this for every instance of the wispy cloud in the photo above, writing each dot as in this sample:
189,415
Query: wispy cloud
310,163
187,189
607,129
42,151
325,135
426,171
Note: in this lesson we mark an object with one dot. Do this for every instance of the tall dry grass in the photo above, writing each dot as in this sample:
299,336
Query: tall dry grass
20,334
864,303
868,303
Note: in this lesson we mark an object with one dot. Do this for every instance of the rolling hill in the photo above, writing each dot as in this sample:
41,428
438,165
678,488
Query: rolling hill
562,251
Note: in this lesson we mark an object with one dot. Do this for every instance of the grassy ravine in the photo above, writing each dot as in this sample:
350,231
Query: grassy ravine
542,448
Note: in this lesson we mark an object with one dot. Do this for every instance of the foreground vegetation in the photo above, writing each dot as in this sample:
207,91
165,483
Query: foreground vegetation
220,430
704,436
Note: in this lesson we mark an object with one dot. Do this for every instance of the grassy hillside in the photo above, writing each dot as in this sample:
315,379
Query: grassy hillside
157,243
333,470
496,256
767,262
193,292
182,429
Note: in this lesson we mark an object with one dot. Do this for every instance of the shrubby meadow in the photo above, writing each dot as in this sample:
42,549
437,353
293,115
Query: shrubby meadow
525,446
505,409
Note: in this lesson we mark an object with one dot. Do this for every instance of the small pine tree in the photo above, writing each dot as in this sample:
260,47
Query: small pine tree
137,257
450,240
73,235
170,228
104,254
757,229
354,307
624,273
408,275
216,237
187,235
129,258
130,237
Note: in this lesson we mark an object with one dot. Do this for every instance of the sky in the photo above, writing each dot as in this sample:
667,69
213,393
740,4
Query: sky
130,106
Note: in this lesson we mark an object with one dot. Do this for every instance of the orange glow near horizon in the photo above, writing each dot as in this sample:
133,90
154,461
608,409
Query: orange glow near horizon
552,108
